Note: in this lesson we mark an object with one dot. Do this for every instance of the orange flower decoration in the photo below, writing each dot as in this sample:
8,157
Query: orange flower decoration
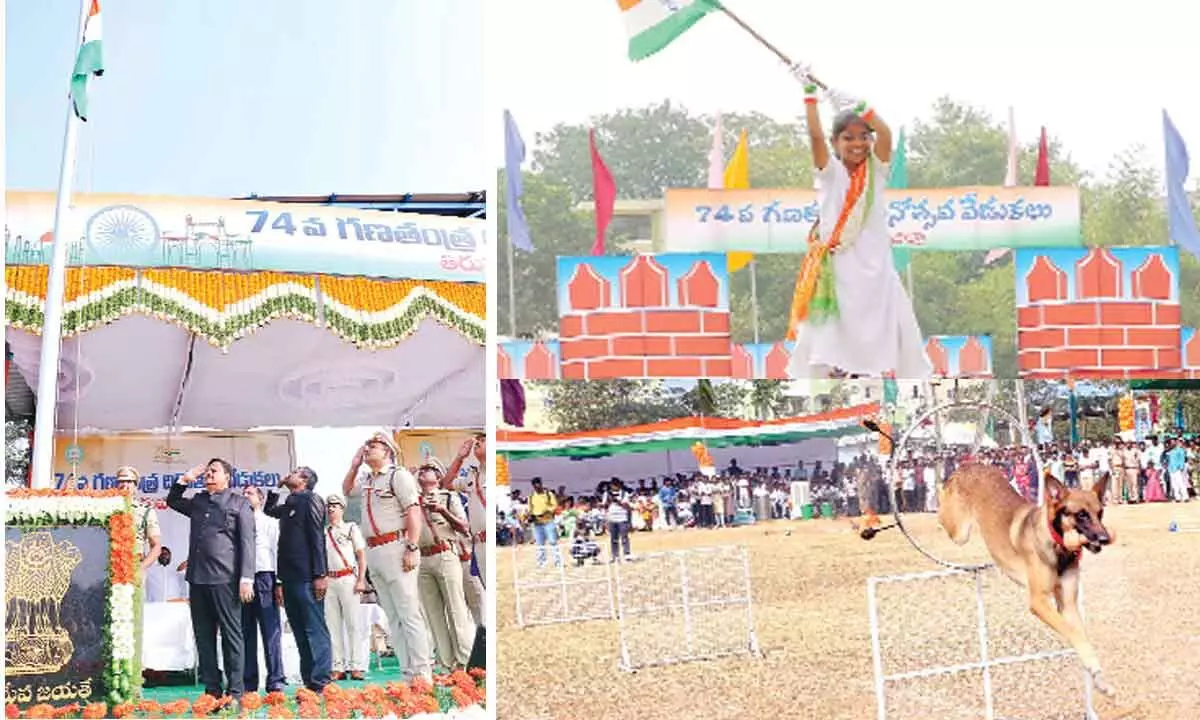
120,527
477,673
421,686
41,710
66,710
204,704
312,710
251,701
304,695
121,710
276,697
176,707
278,712
95,711
54,492
12,711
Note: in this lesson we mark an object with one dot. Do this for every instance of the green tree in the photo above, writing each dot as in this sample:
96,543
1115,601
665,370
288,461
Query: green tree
714,399
1125,209
557,228
579,406
767,400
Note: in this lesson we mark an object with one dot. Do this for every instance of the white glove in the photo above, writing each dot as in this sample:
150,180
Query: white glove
842,101
802,72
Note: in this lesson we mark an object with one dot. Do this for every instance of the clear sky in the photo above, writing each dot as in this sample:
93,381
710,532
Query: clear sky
1097,75
227,97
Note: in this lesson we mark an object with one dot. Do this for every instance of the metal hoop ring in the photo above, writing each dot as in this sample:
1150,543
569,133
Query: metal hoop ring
898,451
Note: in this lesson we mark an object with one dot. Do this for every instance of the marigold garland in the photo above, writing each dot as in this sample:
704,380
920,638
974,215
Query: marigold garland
457,690
223,306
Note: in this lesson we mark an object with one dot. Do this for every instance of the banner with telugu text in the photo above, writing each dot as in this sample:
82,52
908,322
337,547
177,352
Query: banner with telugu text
150,231
258,458
966,218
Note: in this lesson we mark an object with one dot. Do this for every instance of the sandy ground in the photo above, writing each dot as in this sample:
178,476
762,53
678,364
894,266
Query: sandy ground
809,584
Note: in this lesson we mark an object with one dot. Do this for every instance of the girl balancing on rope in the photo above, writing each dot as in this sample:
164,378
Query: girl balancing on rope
850,314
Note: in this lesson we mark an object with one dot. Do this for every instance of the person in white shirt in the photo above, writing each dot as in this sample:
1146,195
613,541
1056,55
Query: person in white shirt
346,560
163,582
262,613
930,479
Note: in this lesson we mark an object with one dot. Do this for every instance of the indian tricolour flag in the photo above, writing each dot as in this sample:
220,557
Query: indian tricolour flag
654,24
89,62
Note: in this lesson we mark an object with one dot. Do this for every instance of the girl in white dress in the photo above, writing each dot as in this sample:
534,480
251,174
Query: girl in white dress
850,313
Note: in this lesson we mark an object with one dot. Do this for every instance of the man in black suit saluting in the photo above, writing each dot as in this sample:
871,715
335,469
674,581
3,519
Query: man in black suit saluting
220,570
302,573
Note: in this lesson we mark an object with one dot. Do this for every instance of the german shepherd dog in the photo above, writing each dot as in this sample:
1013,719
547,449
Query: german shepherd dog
1038,547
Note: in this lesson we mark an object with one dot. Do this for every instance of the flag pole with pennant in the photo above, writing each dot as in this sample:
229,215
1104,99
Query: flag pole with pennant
88,62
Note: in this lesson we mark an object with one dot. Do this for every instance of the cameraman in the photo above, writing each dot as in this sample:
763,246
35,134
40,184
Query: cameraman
618,506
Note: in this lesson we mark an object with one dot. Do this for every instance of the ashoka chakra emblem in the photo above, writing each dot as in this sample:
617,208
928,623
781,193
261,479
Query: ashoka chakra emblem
121,229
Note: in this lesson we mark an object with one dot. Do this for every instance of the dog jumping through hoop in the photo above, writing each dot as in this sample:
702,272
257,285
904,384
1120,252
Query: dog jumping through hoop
1037,547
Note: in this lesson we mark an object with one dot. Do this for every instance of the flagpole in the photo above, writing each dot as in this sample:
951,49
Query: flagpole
754,297
763,41
47,396
512,294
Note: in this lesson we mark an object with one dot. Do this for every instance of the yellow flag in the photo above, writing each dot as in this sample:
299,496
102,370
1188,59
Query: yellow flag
737,177
737,172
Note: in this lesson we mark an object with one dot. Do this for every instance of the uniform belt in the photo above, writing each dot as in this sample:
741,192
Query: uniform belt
435,549
383,539
341,573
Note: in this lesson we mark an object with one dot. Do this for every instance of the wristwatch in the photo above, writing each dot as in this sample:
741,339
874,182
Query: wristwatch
411,546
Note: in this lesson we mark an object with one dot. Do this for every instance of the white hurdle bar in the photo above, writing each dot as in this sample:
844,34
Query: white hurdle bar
562,583
686,605
985,663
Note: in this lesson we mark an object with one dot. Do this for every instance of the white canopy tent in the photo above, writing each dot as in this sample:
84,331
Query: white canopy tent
581,476
141,372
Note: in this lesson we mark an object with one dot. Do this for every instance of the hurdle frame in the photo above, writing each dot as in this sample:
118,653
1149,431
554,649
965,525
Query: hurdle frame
752,648
985,663
562,583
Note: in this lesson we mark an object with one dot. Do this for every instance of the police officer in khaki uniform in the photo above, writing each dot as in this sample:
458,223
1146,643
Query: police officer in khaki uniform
473,485
392,514
345,555
441,576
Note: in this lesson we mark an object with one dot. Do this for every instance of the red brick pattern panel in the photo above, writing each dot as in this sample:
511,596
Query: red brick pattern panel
1191,353
528,360
960,356
646,316
1101,313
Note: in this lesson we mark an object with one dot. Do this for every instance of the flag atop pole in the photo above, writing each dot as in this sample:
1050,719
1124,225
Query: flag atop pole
514,155
1010,176
654,24
1181,224
716,158
604,190
737,177
89,61
898,180
1041,178
41,471
737,172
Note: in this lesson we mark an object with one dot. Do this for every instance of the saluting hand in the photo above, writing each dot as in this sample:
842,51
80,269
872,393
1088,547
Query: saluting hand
360,456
